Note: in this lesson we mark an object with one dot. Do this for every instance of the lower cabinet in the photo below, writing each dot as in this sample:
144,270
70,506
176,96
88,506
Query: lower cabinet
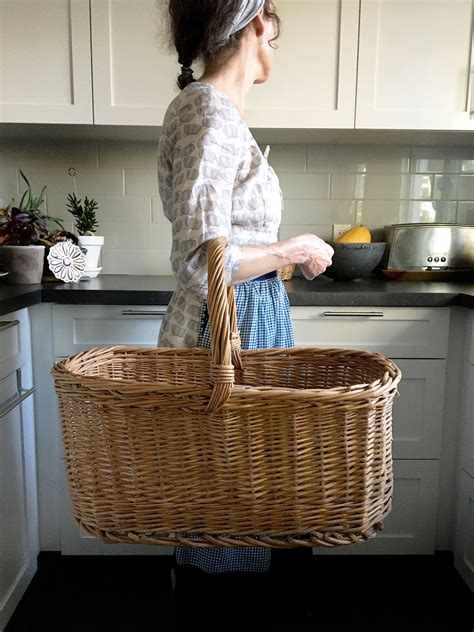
464,545
416,338
19,539
410,527
79,327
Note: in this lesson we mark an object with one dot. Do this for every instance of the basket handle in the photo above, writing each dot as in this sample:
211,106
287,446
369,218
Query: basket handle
225,339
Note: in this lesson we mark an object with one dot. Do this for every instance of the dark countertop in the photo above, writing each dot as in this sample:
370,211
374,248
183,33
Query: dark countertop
117,289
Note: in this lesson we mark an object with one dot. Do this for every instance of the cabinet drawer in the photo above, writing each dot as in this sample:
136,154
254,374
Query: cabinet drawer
14,341
396,332
77,328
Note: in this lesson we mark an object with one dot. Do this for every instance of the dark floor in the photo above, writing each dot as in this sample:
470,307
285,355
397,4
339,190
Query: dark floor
336,593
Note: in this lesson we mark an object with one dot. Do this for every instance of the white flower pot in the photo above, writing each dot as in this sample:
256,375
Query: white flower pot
24,264
93,245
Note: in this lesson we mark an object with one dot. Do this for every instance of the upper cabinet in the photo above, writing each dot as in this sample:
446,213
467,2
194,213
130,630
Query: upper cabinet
313,79
416,65
134,74
45,61
386,64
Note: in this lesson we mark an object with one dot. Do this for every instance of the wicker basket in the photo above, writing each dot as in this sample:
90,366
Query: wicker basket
286,272
222,447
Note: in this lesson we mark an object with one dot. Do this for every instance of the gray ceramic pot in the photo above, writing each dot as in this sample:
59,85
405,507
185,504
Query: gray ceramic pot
24,264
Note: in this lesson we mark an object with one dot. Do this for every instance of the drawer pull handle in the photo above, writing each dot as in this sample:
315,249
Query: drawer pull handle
137,312
365,314
6,324
22,394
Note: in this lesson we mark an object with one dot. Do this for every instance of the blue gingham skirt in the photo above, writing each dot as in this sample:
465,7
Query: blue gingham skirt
264,322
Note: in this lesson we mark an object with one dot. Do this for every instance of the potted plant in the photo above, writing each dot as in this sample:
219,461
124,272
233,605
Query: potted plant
85,225
23,237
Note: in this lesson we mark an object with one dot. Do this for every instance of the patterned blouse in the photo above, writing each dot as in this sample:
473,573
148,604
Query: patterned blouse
213,181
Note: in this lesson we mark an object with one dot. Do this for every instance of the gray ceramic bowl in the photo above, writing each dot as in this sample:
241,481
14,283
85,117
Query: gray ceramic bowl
353,261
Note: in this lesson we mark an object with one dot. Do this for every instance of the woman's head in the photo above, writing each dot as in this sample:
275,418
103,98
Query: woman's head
206,30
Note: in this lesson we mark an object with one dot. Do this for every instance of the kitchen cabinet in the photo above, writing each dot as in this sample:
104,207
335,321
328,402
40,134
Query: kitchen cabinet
134,74
416,65
340,64
313,79
416,338
464,546
80,327
45,61
19,541
464,538
312,82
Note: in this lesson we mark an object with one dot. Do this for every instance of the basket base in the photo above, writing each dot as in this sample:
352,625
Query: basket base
207,540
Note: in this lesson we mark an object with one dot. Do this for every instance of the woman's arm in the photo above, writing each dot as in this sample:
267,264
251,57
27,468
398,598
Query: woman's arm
310,252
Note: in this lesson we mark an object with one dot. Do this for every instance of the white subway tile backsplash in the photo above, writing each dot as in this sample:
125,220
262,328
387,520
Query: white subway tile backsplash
386,186
358,158
92,182
158,217
60,153
323,231
453,187
322,185
377,212
442,159
136,262
287,157
305,185
127,155
116,208
465,214
318,211
141,182
127,236
8,197
9,179
161,236
427,211
347,186
56,179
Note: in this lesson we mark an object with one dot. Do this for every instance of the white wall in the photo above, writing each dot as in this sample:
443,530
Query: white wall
322,185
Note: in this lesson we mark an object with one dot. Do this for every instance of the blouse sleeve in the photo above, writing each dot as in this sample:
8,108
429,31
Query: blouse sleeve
204,166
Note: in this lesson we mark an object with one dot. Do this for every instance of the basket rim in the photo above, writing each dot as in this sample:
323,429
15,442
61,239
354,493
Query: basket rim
362,391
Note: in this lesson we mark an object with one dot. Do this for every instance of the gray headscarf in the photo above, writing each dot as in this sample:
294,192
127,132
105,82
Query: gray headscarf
246,12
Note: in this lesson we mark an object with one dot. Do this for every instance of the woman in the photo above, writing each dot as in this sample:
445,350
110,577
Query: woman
214,181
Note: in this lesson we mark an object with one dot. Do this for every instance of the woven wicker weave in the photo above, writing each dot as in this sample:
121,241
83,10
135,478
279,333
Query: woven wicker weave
280,447
286,272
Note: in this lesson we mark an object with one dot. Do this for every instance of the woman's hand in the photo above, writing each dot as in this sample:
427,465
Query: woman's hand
312,254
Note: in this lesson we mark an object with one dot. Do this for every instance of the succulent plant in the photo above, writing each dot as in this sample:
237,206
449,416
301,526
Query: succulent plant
84,215
25,224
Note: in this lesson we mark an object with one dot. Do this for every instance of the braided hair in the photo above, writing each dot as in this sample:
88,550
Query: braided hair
196,28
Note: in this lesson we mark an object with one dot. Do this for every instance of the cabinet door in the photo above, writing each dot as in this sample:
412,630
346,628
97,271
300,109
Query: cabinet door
467,424
134,74
464,543
45,61
410,526
418,412
313,79
19,545
415,65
